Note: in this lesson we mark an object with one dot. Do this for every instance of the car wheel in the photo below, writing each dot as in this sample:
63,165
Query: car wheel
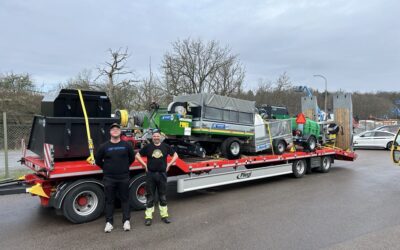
389,145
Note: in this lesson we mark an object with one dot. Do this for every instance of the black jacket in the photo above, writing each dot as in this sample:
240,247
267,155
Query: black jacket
115,159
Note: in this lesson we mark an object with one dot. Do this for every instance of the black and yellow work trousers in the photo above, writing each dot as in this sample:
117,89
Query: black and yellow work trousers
156,184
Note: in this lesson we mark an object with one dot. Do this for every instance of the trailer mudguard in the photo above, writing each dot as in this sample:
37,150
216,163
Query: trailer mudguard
63,188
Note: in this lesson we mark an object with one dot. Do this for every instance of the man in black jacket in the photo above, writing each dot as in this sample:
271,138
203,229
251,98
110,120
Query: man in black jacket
115,157
156,175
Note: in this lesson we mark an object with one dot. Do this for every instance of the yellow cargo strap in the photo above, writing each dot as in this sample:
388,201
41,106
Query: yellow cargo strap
90,159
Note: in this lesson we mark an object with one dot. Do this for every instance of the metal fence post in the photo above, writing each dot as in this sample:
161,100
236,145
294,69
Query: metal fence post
7,175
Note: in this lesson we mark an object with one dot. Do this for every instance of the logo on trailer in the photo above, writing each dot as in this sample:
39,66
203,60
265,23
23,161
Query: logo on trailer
262,146
219,126
243,175
167,117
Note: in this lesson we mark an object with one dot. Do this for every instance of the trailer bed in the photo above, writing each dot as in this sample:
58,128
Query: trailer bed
64,169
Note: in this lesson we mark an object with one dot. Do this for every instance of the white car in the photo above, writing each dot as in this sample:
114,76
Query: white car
374,139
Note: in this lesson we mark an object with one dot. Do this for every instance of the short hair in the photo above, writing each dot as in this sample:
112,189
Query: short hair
155,131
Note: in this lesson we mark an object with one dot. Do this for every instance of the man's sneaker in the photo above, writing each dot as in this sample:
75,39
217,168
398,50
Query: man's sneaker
127,225
147,222
108,228
166,220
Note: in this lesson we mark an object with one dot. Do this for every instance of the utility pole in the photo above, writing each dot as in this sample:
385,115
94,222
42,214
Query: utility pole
326,95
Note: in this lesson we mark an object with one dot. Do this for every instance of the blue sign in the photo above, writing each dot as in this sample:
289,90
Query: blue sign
219,126
167,117
262,147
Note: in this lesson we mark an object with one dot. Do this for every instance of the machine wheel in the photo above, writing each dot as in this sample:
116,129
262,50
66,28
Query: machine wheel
280,147
84,203
231,148
137,192
389,145
326,164
311,143
299,168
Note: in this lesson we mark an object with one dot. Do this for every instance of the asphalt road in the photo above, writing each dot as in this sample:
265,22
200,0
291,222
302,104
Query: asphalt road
355,206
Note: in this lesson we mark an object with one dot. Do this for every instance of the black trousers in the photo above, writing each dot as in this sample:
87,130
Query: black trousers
113,186
156,183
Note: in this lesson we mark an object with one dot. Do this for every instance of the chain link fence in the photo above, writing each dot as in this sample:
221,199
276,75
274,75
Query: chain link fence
15,133
9,161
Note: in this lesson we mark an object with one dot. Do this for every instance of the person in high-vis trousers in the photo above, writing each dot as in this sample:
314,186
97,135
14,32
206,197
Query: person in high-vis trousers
156,175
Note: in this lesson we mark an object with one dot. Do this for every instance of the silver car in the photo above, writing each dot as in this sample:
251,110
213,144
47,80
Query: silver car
374,139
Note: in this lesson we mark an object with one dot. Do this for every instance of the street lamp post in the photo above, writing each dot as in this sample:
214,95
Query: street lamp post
326,95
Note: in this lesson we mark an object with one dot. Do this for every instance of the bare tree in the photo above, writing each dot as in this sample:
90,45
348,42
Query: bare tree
83,80
118,79
16,83
283,82
194,67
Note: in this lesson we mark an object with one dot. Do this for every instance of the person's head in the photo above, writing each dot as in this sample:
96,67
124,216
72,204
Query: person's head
156,136
115,131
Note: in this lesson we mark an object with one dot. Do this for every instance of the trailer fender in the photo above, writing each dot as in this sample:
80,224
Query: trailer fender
63,188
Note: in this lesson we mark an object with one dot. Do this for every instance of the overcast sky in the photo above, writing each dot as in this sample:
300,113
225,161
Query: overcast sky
355,44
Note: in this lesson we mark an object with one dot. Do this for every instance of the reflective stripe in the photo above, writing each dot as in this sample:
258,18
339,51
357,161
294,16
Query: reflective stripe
149,213
163,211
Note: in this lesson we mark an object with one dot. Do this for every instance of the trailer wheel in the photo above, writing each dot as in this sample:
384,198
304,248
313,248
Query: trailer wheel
280,147
299,168
137,192
84,203
230,148
326,164
311,143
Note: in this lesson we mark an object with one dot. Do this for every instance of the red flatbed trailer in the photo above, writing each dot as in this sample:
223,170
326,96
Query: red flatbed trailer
75,187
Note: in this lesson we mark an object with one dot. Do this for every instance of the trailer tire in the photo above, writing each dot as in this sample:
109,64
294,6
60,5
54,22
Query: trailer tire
280,147
84,203
299,168
326,164
137,192
231,148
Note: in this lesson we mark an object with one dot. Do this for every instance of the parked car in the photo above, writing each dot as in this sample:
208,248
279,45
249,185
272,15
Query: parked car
374,139
388,128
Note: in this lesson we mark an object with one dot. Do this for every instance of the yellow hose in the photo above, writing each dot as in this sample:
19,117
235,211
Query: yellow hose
90,159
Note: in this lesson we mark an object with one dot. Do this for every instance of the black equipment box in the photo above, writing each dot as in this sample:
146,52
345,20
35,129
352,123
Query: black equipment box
62,123
67,104
68,135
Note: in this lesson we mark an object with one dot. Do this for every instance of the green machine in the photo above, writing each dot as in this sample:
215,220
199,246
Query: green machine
204,124
306,132
171,124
